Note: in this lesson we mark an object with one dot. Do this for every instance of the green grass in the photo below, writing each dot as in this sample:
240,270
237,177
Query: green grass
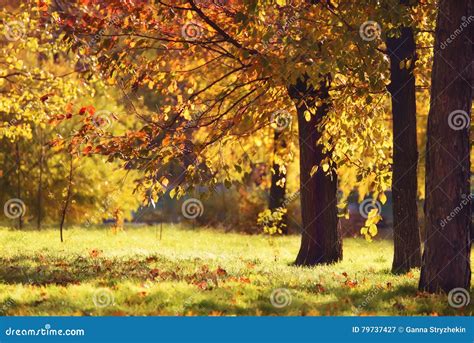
197,272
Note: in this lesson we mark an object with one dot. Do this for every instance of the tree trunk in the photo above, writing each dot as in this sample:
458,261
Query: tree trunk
406,232
68,198
446,258
18,185
40,185
277,190
321,241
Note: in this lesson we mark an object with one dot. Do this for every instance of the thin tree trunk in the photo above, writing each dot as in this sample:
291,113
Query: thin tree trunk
321,241
406,232
68,198
18,185
277,190
40,185
446,258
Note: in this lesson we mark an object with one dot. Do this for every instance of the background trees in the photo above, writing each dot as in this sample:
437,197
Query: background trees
38,82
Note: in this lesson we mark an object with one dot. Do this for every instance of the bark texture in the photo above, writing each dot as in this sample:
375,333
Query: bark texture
446,257
277,190
406,233
321,241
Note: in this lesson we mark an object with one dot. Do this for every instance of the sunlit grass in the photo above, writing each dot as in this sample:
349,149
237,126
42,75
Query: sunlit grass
198,272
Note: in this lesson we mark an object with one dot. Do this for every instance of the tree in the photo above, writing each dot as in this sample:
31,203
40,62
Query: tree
236,64
278,179
321,237
401,49
446,257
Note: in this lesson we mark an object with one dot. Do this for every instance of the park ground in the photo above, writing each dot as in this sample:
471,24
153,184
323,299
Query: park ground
198,272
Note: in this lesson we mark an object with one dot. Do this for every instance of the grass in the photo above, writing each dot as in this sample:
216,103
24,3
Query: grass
198,272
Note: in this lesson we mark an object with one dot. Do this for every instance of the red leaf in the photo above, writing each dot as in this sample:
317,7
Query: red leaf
87,150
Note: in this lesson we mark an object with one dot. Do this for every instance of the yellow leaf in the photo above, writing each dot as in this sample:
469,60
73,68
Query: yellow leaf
408,64
383,198
307,115
325,167
373,230
187,115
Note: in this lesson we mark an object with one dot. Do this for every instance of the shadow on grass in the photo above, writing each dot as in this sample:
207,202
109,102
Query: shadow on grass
204,290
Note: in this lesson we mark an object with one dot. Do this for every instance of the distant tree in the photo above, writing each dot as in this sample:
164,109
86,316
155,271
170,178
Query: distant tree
38,85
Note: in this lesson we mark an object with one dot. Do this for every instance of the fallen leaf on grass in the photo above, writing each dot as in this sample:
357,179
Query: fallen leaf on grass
320,288
154,273
350,283
221,272
94,253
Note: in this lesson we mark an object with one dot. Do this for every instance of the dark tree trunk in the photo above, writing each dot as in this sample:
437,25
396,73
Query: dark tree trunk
321,241
40,184
18,185
68,198
277,190
446,257
406,232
